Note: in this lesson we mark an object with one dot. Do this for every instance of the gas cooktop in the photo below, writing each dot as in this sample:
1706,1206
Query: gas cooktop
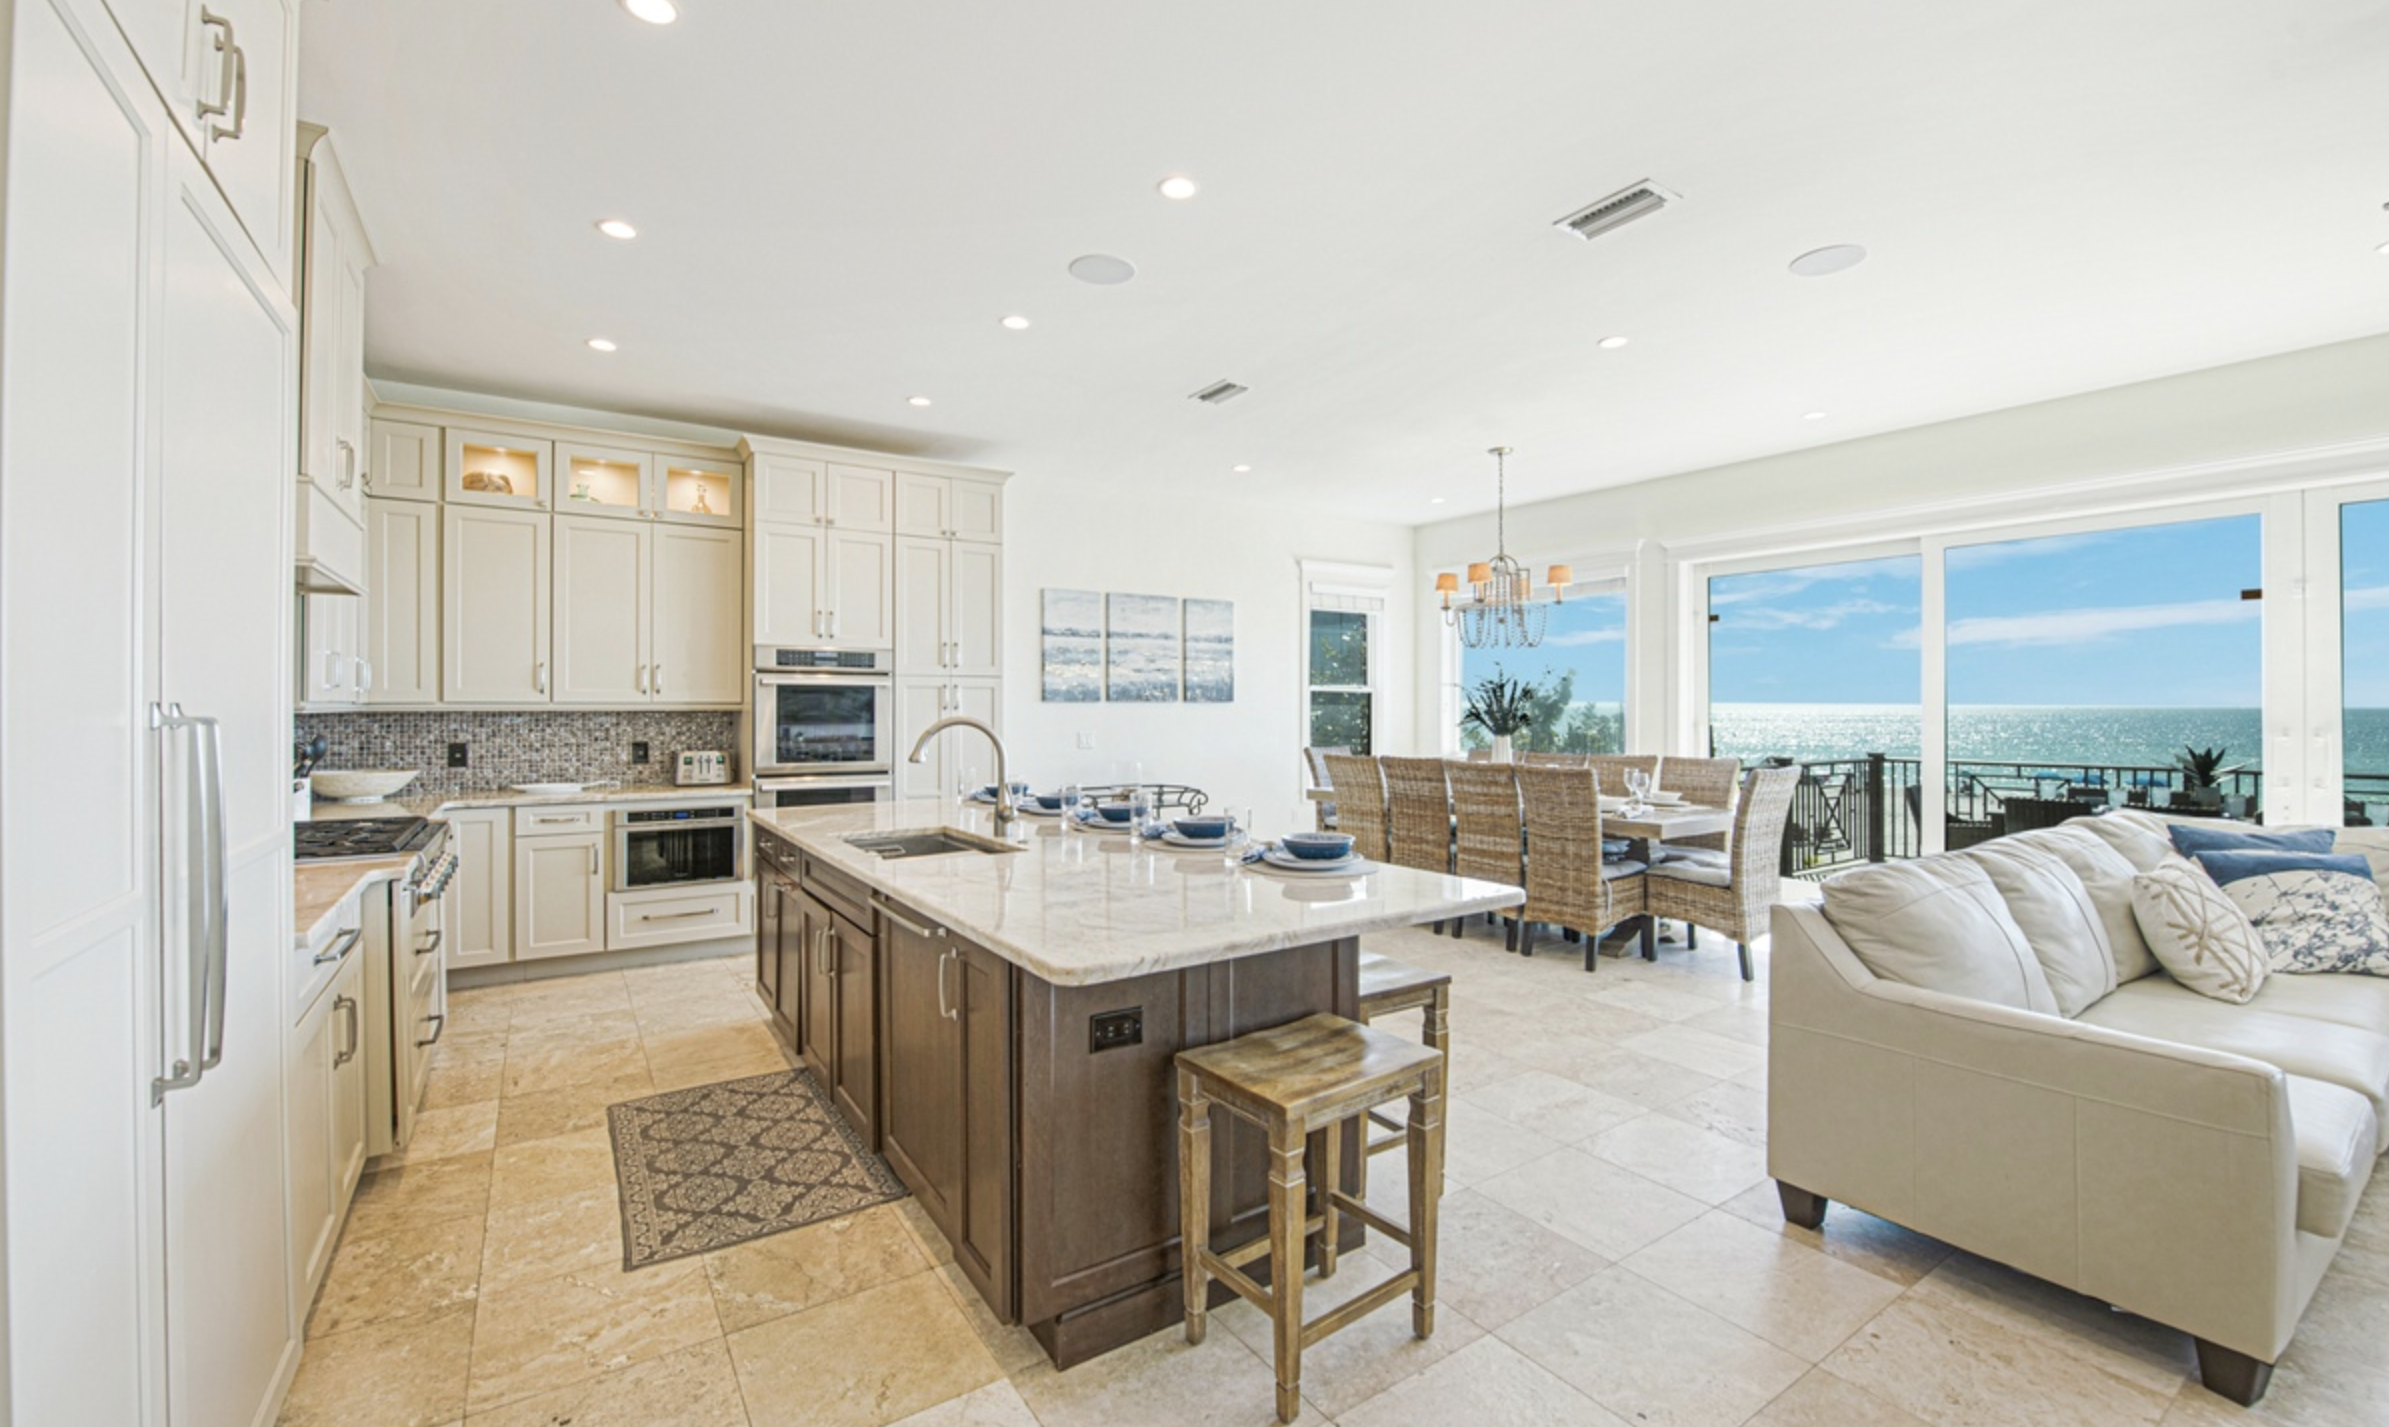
360,837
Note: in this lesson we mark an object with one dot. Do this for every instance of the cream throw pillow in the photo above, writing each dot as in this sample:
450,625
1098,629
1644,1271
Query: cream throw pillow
2199,933
2054,911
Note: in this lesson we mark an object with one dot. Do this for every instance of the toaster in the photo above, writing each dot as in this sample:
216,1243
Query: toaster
698,769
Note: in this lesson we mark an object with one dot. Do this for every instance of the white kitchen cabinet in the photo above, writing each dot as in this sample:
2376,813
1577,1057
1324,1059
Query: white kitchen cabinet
401,617
859,498
605,480
333,669
788,489
348,1087
950,507
604,572
857,583
949,603
147,358
559,894
698,654
494,625
324,1122
955,755
403,460
479,911
823,587
693,491
669,917
788,565
332,261
498,468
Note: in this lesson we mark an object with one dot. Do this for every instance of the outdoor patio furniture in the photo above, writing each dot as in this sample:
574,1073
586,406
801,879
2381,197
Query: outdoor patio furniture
1731,891
1568,884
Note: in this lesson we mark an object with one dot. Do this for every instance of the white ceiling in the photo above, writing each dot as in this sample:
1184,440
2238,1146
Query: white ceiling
837,199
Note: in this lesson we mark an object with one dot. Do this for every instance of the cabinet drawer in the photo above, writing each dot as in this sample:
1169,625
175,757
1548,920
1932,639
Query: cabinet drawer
540,822
660,920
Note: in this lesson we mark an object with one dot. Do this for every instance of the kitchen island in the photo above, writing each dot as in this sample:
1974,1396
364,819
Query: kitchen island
1001,1026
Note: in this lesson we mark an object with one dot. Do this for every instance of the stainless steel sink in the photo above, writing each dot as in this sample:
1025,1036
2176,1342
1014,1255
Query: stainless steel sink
935,842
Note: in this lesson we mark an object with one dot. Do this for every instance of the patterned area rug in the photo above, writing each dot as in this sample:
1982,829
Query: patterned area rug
717,1165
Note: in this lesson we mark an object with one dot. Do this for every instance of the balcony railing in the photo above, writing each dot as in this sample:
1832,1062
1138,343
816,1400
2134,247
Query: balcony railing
1852,810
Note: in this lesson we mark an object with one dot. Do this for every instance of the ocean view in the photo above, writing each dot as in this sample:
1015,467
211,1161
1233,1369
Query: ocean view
2149,737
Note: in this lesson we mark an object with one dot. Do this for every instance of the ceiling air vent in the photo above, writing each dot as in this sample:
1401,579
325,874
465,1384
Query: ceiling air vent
1617,210
1219,392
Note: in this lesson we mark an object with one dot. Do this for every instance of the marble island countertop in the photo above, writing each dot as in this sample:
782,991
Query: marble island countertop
1081,908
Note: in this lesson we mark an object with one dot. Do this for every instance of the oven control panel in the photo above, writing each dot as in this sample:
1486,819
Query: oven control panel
643,816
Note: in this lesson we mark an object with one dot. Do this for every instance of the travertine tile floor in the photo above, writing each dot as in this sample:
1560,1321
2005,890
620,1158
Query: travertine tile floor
1612,1254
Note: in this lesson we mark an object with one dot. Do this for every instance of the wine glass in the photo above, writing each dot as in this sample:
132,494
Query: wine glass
1638,788
1140,806
1240,835
1070,799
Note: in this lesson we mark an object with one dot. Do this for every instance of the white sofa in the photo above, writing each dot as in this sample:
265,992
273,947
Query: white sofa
2182,1158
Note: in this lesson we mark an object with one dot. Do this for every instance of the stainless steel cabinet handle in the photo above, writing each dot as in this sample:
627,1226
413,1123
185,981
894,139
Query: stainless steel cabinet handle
431,942
593,859
240,95
658,679
821,954
542,676
943,1012
573,819
675,916
341,947
348,461
439,1028
228,52
642,678
356,1029
908,923
364,678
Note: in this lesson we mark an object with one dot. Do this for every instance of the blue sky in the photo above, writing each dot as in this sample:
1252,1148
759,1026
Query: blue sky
2364,572
1587,634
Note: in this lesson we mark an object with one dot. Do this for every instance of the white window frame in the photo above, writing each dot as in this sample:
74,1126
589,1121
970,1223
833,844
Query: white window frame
1347,589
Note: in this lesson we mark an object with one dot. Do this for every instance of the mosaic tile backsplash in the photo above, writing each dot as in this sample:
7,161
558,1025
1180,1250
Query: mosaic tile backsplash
521,747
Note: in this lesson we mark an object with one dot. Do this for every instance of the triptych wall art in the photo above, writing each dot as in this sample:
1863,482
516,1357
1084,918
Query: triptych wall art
1137,649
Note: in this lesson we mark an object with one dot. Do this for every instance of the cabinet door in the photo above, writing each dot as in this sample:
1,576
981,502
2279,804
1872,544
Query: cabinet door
788,975
695,655
604,480
789,488
978,699
920,703
977,622
307,1153
560,895
922,1132
604,581
320,347
494,606
690,492
788,577
402,616
496,468
975,511
478,914
403,460
861,499
329,672
855,1060
817,1023
981,1231
767,937
348,1083
857,595
924,604
252,151
921,504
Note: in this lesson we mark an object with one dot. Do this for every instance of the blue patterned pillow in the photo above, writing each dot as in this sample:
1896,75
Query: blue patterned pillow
2314,911
2191,839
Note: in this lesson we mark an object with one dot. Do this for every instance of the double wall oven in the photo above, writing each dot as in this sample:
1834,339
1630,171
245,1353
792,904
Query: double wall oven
824,727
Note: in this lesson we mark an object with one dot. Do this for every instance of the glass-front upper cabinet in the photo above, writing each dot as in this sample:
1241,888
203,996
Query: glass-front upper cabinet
697,492
601,480
493,468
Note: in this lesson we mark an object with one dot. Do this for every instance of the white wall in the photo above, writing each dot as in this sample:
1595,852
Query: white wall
2306,417
1115,539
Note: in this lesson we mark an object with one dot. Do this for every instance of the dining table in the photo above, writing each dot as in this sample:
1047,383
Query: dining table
1660,823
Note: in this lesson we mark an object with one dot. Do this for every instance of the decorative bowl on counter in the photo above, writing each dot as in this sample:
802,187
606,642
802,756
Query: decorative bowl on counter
1115,812
1201,828
1317,846
1051,802
360,785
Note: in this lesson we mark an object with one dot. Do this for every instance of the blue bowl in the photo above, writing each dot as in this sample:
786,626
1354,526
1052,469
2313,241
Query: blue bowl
1201,827
1317,846
1115,812
1051,802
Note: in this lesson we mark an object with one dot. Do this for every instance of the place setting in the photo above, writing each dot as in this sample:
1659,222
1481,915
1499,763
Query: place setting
1309,855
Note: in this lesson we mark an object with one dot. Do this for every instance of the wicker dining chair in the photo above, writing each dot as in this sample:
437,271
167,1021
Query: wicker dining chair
1488,838
1732,891
1418,816
1557,760
1360,801
1609,769
1314,763
1709,782
1568,883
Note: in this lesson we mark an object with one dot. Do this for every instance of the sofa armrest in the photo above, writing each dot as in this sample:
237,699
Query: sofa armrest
2159,1177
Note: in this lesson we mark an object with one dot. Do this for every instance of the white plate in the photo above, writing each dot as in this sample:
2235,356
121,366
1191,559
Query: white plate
1030,809
1278,857
1300,868
1667,800
1097,824
1613,805
1176,838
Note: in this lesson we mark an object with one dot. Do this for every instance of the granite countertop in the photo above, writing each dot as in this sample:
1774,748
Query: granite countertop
432,805
1083,908
318,889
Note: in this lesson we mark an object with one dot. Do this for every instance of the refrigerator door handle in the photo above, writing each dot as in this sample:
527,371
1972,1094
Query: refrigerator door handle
207,934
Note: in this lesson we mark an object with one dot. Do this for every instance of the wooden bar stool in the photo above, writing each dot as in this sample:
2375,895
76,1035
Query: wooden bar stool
1313,1074
1388,986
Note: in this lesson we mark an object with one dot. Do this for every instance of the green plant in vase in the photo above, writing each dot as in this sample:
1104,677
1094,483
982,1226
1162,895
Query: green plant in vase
2202,774
1501,707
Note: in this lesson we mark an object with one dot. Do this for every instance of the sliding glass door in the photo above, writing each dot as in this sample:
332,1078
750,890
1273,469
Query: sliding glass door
2364,663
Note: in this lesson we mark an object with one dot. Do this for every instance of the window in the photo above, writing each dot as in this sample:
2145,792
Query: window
2364,662
1343,617
1579,675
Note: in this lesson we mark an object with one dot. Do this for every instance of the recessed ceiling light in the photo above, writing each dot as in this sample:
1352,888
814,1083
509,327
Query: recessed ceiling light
601,344
654,12
616,228
1812,416
1240,469
1824,262
1611,344
1435,500
1102,269
916,401
1017,322
2383,250
1179,186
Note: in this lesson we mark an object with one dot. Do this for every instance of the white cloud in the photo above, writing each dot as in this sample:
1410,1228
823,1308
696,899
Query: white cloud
2097,625
2366,597
1818,617
1577,639
1771,585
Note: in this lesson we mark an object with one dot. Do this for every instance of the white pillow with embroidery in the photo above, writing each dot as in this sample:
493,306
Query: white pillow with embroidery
2314,912
2199,934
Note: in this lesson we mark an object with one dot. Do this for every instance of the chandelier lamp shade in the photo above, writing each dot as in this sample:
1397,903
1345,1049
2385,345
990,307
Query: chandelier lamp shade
1501,611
